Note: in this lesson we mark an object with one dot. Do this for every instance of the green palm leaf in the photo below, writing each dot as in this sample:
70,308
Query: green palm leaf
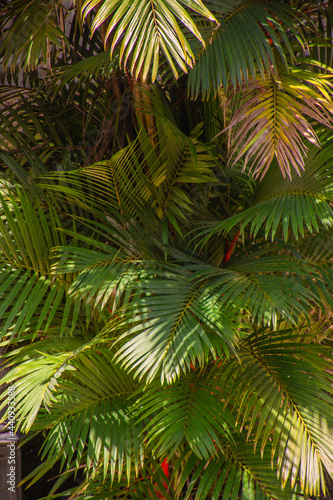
29,231
31,122
318,247
40,387
235,475
99,415
286,402
144,177
90,398
171,325
143,29
240,46
30,43
104,279
282,207
269,119
264,287
180,414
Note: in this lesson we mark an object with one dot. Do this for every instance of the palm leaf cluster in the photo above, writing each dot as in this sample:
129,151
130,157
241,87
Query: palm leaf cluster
165,287
276,110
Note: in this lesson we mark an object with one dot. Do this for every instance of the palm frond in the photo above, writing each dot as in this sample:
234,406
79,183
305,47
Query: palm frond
144,29
241,44
171,327
321,47
90,420
30,43
40,387
93,66
318,247
150,483
286,405
29,231
285,208
30,122
262,287
103,279
235,475
157,177
268,119
178,413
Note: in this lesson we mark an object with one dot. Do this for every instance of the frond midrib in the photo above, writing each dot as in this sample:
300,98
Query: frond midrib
286,393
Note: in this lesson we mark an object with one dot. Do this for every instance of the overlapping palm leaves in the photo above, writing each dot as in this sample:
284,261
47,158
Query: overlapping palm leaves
243,43
144,29
173,363
28,232
290,208
269,116
32,33
60,111
146,337
269,119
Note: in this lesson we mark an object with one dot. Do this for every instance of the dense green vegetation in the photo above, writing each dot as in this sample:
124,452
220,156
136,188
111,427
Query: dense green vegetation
166,244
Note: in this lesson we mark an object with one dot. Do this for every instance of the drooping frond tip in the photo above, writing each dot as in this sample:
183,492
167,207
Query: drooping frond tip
273,118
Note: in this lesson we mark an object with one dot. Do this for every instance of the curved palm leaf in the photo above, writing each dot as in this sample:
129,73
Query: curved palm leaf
28,122
241,44
104,280
318,247
168,336
29,231
281,206
29,44
269,121
236,475
181,415
176,318
264,287
143,29
286,404
90,398
147,177
41,387
149,484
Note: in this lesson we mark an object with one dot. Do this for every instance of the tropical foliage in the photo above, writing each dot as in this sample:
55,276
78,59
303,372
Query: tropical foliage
166,244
